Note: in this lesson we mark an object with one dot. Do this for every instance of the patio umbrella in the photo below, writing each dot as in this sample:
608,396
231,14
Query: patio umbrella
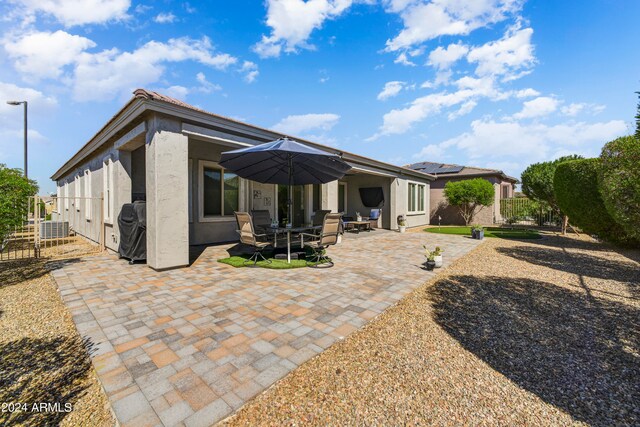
286,162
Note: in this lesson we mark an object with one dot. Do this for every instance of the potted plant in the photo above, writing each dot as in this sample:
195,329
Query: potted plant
402,223
358,216
477,232
437,256
431,261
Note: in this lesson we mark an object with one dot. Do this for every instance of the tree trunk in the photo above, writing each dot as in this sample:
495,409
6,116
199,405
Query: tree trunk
565,222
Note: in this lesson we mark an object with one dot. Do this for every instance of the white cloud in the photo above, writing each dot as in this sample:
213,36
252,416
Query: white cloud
465,109
298,124
574,109
44,54
511,53
11,116
38,102
535,141
527,93
178,92
403,59
540,106
429,20
292,22
205,85
399,121
80,12
165,18
251,71
431,153
109,73
390,89
443,58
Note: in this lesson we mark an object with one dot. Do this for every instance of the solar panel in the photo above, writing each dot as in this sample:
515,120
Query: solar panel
436,168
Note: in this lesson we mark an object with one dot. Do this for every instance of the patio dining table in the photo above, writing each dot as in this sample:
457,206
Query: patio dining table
288,231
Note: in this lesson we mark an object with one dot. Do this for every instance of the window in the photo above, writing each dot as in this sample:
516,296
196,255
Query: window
415,202
219,191
66,196
190,190
107,189
87,194
76,193
505,191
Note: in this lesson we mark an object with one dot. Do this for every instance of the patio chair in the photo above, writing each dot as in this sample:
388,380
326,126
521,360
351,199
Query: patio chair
318,217
328,236
250,238
261,219
375,218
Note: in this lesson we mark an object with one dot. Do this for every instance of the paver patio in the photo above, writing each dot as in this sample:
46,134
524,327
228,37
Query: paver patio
190,346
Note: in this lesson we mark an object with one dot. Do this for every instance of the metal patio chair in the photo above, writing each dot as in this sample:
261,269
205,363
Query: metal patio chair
319,242
249,237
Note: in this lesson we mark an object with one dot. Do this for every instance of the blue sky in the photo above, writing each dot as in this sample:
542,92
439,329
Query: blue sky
493,83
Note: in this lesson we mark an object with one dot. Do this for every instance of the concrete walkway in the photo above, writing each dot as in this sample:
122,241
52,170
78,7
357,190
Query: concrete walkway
190,346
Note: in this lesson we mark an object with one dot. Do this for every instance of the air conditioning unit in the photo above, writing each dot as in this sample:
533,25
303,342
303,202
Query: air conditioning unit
54,229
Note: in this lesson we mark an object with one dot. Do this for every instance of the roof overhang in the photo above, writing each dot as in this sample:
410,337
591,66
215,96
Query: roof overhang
203,125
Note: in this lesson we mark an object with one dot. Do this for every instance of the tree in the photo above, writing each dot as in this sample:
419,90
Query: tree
619,182
15,191
576,186
469,195
537,183
638,118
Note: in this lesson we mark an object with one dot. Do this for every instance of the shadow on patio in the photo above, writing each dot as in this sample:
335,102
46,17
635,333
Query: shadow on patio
574,351
47,371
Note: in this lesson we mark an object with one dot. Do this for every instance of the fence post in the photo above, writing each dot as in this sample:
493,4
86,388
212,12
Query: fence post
36,226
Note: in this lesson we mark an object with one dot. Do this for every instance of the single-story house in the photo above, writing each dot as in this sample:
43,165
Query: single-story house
504,186
166,152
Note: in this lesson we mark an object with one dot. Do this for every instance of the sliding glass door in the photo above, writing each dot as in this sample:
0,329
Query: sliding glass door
298,205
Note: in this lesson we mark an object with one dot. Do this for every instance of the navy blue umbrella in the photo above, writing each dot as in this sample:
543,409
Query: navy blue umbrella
286,162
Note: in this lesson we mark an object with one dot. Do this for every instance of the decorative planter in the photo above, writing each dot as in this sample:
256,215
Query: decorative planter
402,228
430,265
438,261
477,234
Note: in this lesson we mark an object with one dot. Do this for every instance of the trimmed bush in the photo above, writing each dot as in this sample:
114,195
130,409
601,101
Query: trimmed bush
15,191
575,184
469,196
619,182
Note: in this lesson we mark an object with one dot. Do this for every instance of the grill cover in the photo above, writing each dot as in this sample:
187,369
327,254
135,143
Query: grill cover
133,231
372,197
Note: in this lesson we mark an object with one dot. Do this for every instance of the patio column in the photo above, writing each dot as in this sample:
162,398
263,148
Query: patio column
395,203
167,186
329,193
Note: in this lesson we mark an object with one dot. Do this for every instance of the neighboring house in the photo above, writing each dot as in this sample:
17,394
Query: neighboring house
503,184
165,151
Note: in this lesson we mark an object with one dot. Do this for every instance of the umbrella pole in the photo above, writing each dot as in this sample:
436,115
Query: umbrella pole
290,207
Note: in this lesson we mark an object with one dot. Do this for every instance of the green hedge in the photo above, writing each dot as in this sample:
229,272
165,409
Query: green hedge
575,184
619,182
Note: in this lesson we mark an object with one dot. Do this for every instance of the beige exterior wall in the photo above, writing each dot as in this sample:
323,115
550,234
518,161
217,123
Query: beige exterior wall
451,216
158,157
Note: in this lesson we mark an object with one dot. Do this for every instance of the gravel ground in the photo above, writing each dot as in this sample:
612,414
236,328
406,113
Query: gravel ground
43,357
536,332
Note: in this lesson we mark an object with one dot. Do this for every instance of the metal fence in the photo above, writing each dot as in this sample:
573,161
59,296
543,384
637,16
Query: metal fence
523,211
57,226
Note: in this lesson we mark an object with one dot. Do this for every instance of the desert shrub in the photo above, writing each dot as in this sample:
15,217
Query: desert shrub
619,182
15,190
575,185
469,196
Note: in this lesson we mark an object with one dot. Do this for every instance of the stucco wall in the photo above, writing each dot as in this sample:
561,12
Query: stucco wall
354,202
76,215
451,215
402,203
